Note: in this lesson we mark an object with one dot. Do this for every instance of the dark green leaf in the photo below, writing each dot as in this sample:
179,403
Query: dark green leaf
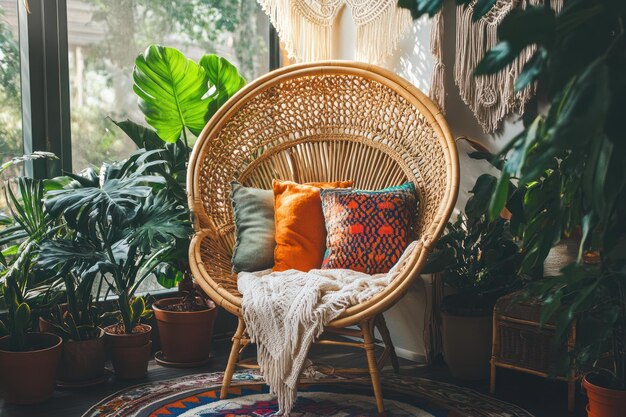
526,26
141,135
498,202
497,58
532,69
481,8
478,203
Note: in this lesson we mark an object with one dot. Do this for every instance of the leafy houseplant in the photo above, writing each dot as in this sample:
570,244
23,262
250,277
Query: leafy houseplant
177,97
120,228
478,258
77,321
580,65
28,359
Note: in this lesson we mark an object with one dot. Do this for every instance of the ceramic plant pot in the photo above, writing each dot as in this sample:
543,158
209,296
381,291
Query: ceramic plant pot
82,361
467,345
130,353
28,377
604,402
185,335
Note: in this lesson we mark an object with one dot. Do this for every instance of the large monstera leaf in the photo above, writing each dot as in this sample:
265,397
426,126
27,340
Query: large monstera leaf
224,80
172,92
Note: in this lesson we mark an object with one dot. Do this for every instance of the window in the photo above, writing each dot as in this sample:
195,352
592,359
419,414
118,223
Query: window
105,37
11,143
71,68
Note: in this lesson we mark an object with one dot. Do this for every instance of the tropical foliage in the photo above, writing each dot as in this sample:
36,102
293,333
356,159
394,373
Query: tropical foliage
119,228
569,158
177,97
79,238
478,256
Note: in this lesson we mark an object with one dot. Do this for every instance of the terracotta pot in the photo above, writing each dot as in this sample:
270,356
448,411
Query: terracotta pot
82,361
604,402
467,345
185,336
130,353
45,326
28,377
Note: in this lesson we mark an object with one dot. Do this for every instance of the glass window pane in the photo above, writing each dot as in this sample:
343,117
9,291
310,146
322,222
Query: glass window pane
11,143
105,37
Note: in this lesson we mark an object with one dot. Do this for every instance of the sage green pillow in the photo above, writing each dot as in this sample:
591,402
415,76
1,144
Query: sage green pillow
254,222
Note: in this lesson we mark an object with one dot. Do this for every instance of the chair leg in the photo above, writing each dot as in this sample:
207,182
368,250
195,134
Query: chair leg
381,325
367,328
492,379
232,359
494,353
571,392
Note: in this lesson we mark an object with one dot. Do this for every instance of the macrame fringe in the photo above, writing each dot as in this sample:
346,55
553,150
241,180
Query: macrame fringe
491,97
378,38
437,84
308,37
311,42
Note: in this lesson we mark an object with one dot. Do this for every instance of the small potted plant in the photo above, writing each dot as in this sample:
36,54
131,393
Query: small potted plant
123,228
28,360
185,329
478,260
77,321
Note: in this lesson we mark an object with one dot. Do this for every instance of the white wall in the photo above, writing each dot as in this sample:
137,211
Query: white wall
413,61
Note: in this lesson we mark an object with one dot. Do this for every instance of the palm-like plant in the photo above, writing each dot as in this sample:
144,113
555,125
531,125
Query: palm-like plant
478,256
22,284
121,225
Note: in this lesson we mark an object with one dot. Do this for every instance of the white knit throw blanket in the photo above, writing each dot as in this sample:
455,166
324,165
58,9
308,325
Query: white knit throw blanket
285,312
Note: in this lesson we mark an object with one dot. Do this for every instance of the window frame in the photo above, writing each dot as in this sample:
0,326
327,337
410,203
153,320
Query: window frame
45,84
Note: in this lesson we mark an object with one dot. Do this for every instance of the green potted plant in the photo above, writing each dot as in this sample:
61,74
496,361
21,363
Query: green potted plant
177,103
185,329
123,226
579,64
478,260
28,360
77,321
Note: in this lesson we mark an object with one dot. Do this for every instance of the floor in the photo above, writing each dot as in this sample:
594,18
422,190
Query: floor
541,397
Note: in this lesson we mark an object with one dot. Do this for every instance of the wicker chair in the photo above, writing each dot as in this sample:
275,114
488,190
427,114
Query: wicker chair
324,121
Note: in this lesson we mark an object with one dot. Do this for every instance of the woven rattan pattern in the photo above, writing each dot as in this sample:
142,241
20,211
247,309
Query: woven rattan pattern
317,122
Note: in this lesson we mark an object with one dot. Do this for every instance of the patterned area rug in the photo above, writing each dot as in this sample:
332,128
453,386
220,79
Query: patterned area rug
198,396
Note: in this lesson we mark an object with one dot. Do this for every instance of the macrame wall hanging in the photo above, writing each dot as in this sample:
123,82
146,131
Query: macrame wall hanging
305,27
490,97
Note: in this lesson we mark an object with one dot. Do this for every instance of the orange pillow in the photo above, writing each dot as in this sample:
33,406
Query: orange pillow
300,229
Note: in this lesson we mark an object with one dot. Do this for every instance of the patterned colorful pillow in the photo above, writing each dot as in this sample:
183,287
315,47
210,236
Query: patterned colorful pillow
368,231
300,232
